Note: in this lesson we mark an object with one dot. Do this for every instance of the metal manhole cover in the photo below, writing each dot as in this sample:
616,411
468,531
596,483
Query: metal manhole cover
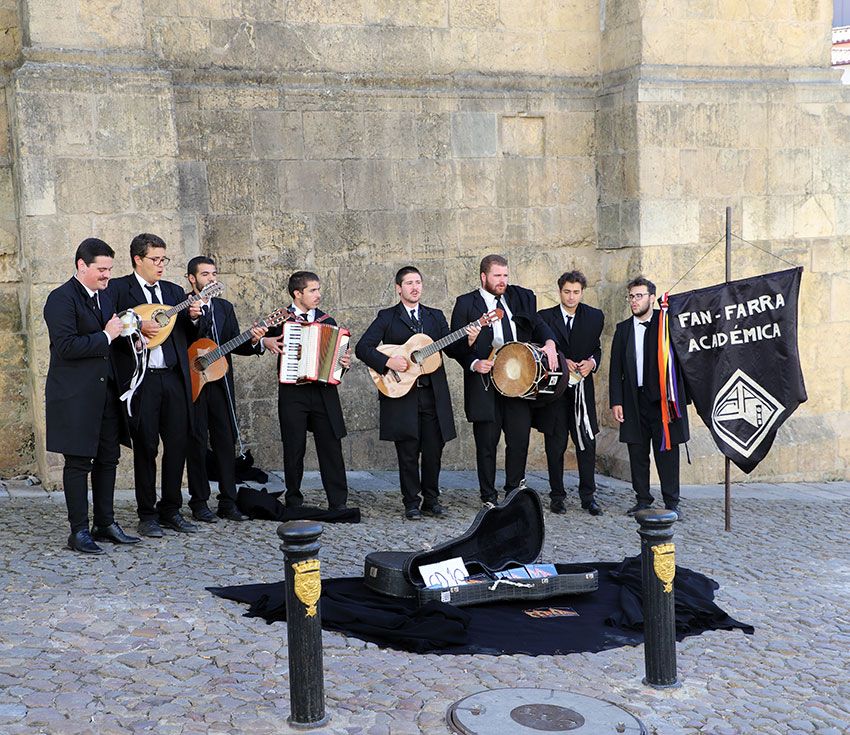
526,711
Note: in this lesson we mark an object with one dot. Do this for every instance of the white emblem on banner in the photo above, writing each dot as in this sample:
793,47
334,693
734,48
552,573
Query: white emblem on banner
743,413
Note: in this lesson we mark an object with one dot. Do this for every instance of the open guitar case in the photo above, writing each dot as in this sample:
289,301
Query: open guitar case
505,536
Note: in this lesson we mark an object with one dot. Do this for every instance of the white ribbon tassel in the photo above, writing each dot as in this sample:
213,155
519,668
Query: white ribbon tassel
582,417
139,372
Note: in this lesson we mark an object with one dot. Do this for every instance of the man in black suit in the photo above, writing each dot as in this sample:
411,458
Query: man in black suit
84,417
162,404
215,408
421,421
490,412
577,329
309,406
635,397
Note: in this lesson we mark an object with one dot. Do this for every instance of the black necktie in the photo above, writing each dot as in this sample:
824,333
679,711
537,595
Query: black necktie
569,325
417,325
95,306
168,353
507,332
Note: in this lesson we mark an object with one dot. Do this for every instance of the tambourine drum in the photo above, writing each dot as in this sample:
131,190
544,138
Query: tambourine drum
520,370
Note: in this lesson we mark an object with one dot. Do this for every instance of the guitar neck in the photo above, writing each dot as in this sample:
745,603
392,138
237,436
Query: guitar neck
444,341
227,347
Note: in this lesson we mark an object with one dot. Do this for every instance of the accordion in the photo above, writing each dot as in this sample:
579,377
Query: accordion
313,352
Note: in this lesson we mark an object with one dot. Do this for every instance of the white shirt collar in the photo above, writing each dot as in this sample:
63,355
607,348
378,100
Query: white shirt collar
143,282
88,290
311,313
565,314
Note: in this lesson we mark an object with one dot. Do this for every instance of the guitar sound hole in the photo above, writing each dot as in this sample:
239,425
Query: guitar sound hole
414,357
160,318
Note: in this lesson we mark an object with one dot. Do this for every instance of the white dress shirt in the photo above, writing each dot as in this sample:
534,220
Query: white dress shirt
640,337
490,301
155,357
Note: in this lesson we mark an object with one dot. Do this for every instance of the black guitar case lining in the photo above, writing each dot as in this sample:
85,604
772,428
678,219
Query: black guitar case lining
504,536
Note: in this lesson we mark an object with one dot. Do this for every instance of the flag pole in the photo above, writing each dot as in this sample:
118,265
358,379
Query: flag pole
727,463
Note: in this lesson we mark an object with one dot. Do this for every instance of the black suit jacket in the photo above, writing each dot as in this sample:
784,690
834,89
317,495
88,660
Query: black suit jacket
81,365
298,393
623,381
127,293
582,344
226,328
478,391
398,416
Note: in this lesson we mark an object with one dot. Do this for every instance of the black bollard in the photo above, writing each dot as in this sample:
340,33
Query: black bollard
658,568
304,623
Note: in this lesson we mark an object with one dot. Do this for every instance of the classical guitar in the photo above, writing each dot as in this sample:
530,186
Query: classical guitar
422,355
207,361
164,315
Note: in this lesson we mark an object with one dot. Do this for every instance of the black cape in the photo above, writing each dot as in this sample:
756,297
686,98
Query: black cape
608,618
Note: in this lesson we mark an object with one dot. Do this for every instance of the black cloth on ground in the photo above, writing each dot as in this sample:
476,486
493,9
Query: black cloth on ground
265,506
608,618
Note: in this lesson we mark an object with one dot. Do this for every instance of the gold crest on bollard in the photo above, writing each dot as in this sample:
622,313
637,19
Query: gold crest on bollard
664,564
308,584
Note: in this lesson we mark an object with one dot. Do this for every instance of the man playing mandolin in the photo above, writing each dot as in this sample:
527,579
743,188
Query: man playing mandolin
162,404
215,406
420,421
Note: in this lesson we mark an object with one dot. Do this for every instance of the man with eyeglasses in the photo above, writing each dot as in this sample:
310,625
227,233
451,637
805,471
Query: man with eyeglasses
162,403
635,399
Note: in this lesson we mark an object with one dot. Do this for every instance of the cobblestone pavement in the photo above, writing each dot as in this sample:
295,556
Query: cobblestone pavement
131,642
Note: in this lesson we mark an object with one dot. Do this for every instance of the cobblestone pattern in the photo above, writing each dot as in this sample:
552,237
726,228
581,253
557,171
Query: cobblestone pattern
132,643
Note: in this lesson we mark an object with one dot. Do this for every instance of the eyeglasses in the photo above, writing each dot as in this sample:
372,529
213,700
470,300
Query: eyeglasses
158,261
636,296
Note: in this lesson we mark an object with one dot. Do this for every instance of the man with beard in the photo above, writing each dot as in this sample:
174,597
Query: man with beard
635,399
421,421
215,408
490,412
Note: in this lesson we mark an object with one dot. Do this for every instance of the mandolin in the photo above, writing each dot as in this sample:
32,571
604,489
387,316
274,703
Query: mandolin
164,315
207,361
422,355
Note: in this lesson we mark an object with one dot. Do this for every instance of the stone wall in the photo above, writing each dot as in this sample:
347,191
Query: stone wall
357,136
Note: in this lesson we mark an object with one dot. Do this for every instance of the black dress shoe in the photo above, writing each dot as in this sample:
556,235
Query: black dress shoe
675,509
593,508
232,513
490,499
341,506
83,542
178,523
413,514
151,529
636,507
204,514
557,507
433,509
114,533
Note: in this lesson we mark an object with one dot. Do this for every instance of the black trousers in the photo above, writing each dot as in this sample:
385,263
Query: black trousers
102,468
556,444
429,446
513,417
307,413
667,463
162,412
212,426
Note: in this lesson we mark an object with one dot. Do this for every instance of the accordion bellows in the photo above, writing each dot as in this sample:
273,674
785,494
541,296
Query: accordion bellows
499,538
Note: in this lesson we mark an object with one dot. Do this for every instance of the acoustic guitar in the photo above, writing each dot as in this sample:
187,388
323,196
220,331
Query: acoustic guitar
207,361
164,315
422,355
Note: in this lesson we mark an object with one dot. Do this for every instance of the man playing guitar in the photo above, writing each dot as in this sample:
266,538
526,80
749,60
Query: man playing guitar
215,407
421,421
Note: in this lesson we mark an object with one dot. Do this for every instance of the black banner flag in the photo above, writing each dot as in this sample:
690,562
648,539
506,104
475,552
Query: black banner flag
737,345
